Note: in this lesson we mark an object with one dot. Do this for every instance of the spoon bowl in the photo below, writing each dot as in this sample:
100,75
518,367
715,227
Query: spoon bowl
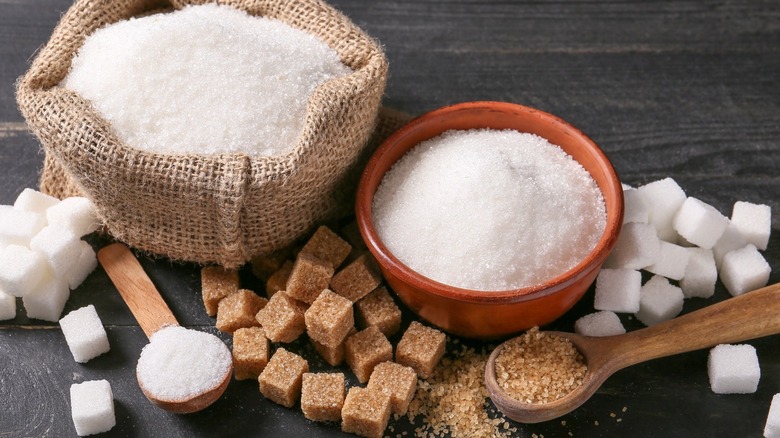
748,316
152,314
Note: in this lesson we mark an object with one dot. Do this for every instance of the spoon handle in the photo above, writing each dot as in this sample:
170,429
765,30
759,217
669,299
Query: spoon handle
748,316
136,288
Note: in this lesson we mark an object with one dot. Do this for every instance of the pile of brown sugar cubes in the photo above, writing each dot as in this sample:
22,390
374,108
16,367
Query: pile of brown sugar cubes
324,292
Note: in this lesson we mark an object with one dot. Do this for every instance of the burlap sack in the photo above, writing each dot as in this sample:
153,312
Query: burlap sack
207,209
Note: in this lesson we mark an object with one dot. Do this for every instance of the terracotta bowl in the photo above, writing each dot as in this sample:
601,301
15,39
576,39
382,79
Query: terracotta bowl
479,314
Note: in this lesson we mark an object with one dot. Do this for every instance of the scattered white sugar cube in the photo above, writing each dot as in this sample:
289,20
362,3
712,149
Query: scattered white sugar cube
635,209
729,241
700,274
663,198
21,270
47,300
7,306
84,334
733,369
659,301
85,264
672,261
637,247
604,323
18,227
744,270
754,222
618,290
700,223
76,213
772,426
92,407
59,246
35,201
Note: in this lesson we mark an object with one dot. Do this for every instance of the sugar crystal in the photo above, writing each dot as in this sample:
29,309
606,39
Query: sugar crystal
489,209
179,363
205,79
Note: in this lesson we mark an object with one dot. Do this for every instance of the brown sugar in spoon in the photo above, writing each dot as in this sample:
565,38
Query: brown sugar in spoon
153,315
748,316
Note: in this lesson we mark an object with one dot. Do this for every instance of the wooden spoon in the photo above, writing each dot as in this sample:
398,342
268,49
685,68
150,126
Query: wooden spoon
748,316
152,314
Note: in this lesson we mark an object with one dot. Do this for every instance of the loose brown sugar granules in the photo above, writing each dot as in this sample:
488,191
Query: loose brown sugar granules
538,367
453,401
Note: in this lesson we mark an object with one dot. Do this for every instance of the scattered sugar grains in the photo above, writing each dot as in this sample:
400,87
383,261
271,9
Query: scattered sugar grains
179,363
538,367
488,209
453,402
186,81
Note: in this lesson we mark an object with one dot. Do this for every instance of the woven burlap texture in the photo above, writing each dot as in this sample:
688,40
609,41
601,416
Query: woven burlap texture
219,209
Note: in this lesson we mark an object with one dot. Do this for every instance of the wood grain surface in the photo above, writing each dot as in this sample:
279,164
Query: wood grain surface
687,89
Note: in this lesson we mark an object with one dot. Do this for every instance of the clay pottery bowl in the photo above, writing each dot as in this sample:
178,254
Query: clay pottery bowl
493,314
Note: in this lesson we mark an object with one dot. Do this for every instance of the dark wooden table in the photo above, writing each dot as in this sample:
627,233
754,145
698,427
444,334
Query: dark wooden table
686,89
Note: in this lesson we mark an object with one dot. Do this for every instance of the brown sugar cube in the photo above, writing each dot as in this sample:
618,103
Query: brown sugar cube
265,265
397,381
280,381
364,350
332,355
309,277
329,319
366,412
278,280
250,352
282,318
421,348
327,246
357,279
379,309
238,310
217,283
322,396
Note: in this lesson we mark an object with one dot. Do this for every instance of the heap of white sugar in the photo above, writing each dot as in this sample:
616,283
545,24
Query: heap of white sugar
489,210
206,79
179,364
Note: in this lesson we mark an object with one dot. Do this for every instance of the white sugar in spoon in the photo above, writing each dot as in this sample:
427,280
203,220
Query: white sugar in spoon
160,372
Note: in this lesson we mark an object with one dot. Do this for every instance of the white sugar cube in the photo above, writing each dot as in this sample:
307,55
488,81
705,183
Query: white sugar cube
754,222
659,301
92,407
729,241
672,261
47,300
604,323
634,208
744,270
772,426
663,198
76,213
60,246
733,369
618,290
35,201
626,187
21,270
637,247
700,223
85,264
84,334
700,274
7,306
17,227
